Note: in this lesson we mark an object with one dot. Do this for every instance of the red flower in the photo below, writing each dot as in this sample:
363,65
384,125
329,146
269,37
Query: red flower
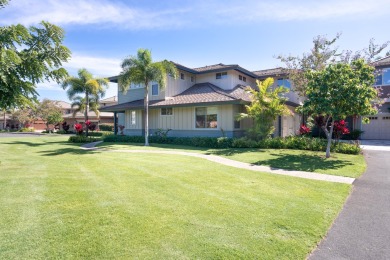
87,122
304,130
78,128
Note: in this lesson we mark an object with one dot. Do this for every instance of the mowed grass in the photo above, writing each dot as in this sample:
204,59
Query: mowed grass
339,164
57,201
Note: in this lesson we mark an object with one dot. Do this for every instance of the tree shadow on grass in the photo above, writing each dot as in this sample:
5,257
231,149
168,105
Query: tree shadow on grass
69,150
302,162
35,144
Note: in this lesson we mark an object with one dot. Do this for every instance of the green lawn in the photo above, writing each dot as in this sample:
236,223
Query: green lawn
339,164
57,201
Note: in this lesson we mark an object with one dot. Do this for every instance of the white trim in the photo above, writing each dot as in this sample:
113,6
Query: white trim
166,108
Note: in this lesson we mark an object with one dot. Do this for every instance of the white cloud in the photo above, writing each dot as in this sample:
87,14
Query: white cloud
183,13
49,86
99,66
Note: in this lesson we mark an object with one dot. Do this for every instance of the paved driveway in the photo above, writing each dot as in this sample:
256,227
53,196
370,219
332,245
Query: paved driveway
375,145
20,135
362,230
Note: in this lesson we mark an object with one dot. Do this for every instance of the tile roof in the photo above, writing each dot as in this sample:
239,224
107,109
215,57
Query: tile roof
381,62
63,104
214,67
109,100
202,93
270,72
90,114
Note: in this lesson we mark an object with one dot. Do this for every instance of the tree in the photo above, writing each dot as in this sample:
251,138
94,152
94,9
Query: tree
92,88
3,3
142,70
338,91
323,53
25,115
49,112
27,57
79,105
267,104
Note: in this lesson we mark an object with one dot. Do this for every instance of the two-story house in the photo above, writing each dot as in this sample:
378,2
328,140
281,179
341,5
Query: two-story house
202,101
379,126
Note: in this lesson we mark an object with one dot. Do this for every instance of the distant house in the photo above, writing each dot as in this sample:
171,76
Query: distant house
72,118
202,101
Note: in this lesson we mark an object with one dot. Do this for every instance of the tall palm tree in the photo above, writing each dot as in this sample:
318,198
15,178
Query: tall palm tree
92,88
142,70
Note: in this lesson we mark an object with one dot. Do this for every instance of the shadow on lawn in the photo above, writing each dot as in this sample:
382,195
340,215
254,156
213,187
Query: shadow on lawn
35,144
232,151
302,162
69,150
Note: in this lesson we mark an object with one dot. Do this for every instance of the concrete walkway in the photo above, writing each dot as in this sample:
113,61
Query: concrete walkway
236,164
362,230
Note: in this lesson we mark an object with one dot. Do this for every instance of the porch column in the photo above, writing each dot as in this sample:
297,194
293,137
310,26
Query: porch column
115,124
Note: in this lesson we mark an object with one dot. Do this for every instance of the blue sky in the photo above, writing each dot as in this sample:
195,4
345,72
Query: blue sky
100,33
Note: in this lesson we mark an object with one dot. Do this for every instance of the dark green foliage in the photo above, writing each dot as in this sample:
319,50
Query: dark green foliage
100,133
353,135
106,127
291,142
82,139
29,56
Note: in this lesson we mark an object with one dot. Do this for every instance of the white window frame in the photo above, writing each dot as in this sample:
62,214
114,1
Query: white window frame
161,113
133,117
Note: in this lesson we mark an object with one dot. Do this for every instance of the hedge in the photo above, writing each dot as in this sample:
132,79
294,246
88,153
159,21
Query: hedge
83,139
291,142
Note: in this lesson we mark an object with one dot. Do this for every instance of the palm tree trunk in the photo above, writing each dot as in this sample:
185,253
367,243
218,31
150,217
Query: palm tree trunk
86,112
146,104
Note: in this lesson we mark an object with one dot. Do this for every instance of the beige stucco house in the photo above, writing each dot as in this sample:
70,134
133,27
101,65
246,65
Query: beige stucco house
200,102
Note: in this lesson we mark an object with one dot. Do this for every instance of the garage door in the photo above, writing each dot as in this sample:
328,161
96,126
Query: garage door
378,128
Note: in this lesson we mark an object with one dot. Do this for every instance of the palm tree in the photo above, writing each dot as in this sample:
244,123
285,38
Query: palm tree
92,88
142,70
79,105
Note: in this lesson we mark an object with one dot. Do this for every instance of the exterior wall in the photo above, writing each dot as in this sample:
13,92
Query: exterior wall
290,123
183,119
177,86
131,95
227,83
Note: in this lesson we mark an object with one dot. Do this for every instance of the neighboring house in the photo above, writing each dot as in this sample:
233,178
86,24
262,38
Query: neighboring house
103,118
379,126
202,101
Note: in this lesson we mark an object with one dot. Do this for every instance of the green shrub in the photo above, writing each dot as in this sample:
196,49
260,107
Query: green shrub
353,135
26,130
83,139
106,127
100,133
61,132
291,142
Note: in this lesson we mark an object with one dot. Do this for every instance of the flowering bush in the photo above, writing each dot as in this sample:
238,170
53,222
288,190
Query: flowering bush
304,130
88,123
78,128
65,127
340,128
91,127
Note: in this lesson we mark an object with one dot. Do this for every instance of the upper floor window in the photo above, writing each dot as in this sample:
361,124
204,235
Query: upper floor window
155,90
192,79
182,76
242,78
166,111
136,86
383,77
221,75
284,82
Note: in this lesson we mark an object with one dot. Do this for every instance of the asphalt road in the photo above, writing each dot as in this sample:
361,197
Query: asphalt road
362,230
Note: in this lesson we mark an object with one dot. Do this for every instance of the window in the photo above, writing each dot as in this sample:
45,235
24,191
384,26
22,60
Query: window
221,75
166,111
182,76
242,78
155,90
373,117
192,79
284,82
382,77
386,118
133,117
206,117
133,86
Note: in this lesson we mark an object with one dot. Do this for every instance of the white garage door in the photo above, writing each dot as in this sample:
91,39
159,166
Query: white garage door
378,128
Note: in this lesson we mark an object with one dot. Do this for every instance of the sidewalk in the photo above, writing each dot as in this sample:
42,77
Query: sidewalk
241,165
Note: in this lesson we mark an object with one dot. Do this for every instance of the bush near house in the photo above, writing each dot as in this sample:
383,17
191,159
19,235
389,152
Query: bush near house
106,127
291,142
83,139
